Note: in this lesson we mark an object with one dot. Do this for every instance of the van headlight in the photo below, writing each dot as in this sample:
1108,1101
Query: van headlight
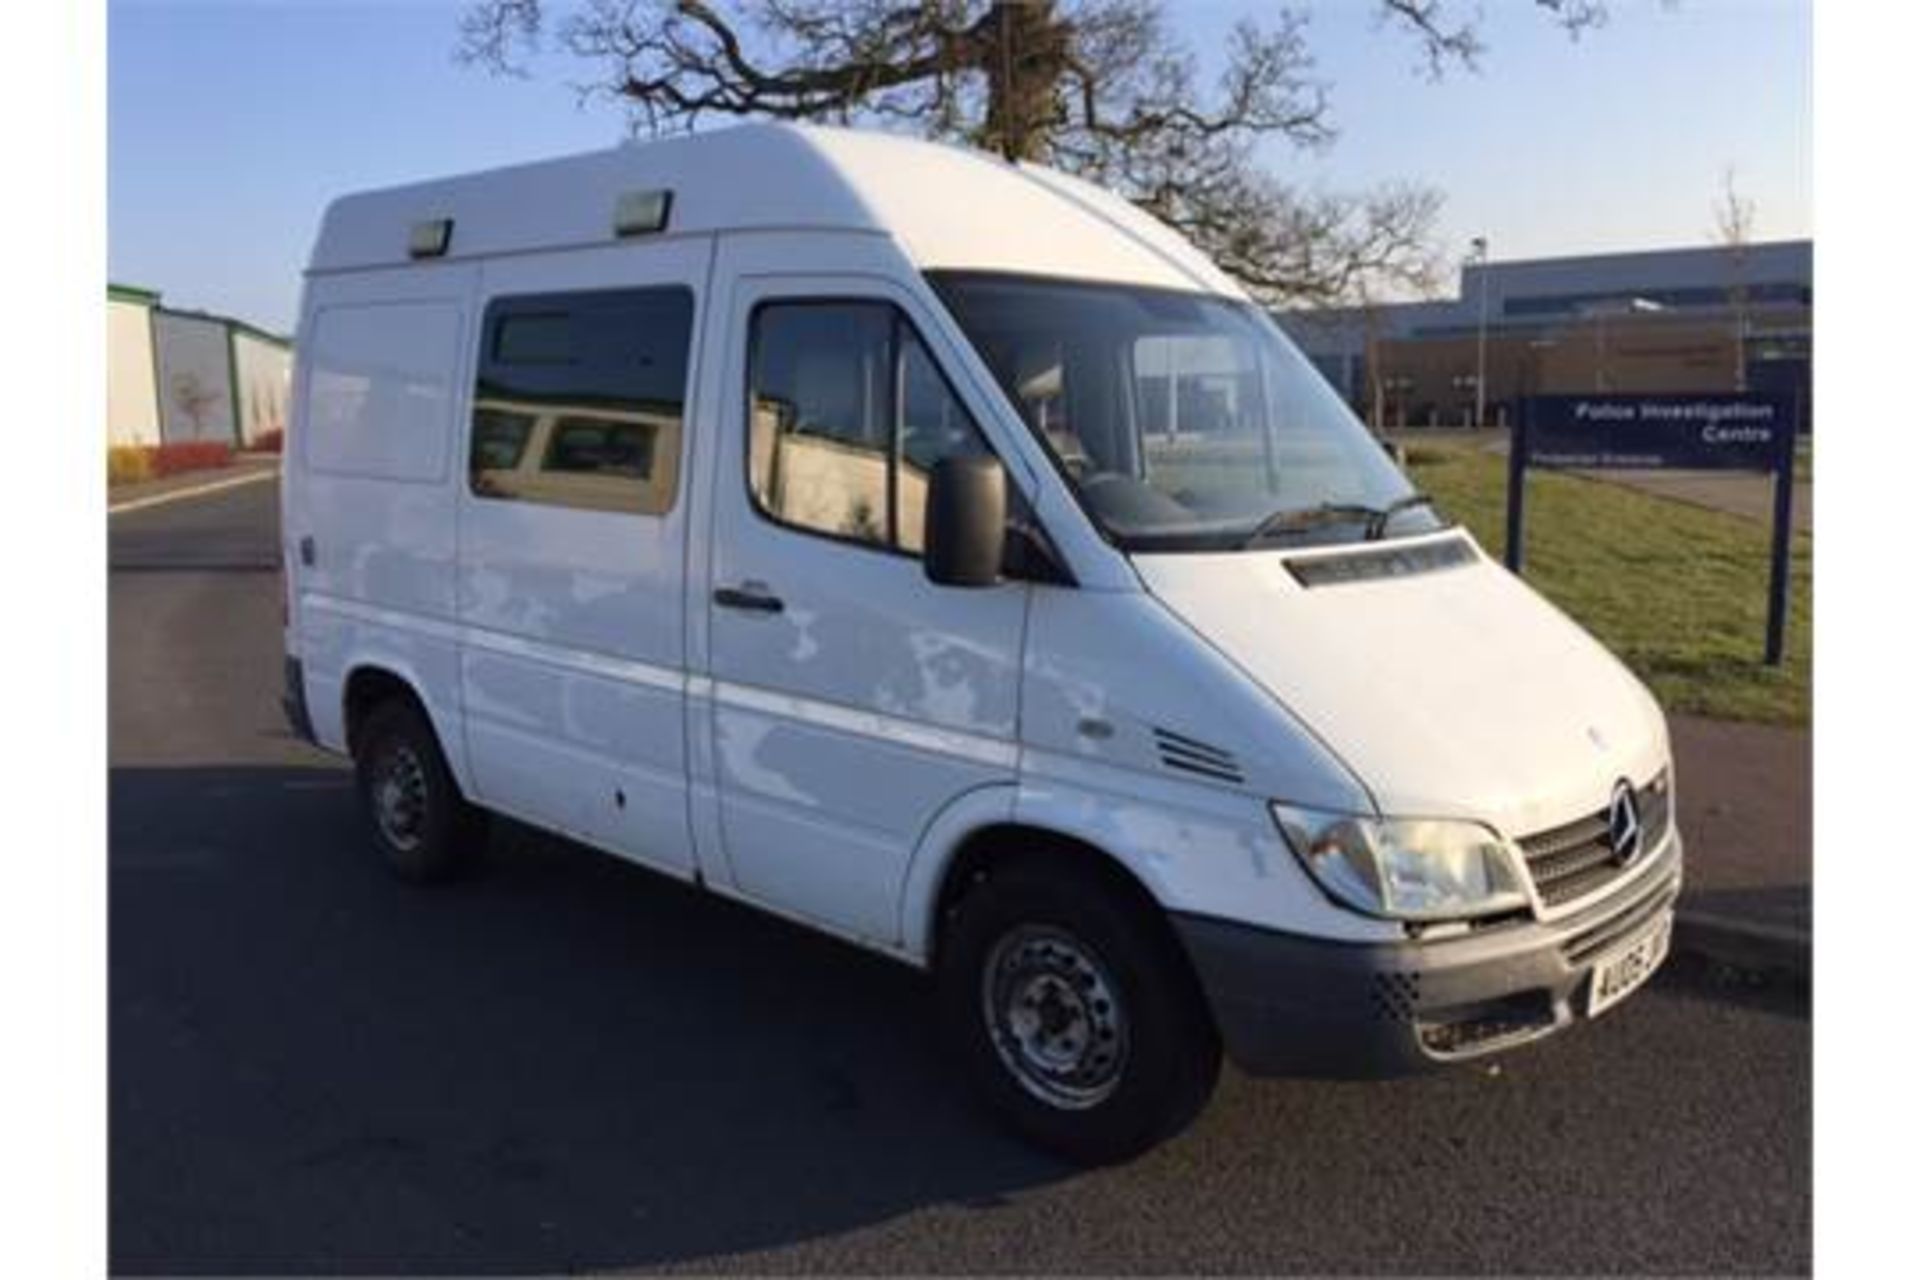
1406,868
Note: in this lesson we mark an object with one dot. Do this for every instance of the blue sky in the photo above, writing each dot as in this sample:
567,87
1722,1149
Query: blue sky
232,122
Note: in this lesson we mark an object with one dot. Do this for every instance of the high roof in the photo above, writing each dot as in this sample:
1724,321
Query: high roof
946,206
132,293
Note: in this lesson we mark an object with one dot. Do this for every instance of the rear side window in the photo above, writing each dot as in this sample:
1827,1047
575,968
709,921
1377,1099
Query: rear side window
848,415
379,394
581,399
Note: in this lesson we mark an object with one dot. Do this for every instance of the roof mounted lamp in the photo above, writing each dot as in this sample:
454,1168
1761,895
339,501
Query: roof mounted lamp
430,239
640,213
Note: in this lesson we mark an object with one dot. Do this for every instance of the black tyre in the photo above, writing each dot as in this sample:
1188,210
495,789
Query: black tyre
422,825
1074,1012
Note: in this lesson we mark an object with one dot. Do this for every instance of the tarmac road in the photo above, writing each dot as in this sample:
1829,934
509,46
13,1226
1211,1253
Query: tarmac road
565,1062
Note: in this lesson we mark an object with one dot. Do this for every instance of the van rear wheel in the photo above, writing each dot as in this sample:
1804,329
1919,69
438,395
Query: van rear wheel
1074,1013
423,827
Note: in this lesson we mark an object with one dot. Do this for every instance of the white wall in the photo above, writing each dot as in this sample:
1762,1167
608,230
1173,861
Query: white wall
196,396
262,370
132,411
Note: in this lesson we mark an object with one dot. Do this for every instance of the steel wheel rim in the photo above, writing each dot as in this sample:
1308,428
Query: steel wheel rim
400,798
1055,1017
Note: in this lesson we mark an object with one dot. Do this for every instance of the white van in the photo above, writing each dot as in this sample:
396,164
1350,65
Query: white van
943,554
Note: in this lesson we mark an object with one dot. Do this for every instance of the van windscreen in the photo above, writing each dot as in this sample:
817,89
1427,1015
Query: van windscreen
1184,421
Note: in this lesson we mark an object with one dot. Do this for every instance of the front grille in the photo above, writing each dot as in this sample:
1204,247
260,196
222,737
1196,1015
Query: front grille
1656,810
1574,860
1622,923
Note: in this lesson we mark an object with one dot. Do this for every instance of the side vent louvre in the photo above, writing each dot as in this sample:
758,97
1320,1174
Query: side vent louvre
1192,756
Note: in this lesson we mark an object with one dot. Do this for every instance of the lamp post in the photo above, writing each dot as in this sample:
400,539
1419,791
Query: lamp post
1480,375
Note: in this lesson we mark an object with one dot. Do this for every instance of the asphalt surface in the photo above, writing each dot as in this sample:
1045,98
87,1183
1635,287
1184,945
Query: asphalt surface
1746,793
568,1063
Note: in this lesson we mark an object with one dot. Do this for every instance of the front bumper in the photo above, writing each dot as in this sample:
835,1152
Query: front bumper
1292,1005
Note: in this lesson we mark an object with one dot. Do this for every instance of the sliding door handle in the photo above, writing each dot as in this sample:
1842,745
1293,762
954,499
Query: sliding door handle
752,596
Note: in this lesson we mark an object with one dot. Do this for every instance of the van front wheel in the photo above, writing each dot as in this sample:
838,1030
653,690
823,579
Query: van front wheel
1075,1014
422,825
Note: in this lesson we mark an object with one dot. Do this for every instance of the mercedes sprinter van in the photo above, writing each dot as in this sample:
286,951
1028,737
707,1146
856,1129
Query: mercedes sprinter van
942,553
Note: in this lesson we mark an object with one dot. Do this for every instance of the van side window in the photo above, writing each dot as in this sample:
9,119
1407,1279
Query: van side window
933,425
848,415
581,399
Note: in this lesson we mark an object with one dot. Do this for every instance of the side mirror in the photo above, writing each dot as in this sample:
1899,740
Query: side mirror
966,529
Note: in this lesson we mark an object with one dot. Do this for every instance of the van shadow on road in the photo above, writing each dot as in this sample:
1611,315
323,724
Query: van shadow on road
561,1062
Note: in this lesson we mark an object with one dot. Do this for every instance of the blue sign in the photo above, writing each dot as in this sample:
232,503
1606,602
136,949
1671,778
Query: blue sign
1685,432
1688,432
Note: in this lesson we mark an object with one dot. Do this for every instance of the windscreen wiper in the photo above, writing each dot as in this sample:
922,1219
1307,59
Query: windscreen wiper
1296,519
1377,527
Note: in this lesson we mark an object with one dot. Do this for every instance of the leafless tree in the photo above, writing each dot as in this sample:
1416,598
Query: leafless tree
1102,88
195,399
1733,220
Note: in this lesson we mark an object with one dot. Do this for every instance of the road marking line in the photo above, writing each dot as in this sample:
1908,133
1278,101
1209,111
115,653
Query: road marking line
197,491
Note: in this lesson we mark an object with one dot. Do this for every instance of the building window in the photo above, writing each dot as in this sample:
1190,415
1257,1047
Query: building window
581,399
500,440
848,416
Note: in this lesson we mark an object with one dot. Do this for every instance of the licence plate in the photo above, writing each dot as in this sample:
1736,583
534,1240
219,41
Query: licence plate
1619,975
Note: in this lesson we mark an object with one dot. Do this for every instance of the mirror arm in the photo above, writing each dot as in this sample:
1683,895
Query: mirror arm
1031,557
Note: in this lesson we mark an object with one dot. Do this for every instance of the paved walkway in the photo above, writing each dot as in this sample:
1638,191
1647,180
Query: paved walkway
1746,809
1739,493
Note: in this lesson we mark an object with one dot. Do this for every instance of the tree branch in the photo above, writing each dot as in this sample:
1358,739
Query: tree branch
1445,41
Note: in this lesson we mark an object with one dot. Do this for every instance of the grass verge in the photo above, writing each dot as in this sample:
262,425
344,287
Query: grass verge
1680,593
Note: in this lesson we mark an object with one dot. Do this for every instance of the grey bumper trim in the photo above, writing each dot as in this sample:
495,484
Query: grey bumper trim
1292,1005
